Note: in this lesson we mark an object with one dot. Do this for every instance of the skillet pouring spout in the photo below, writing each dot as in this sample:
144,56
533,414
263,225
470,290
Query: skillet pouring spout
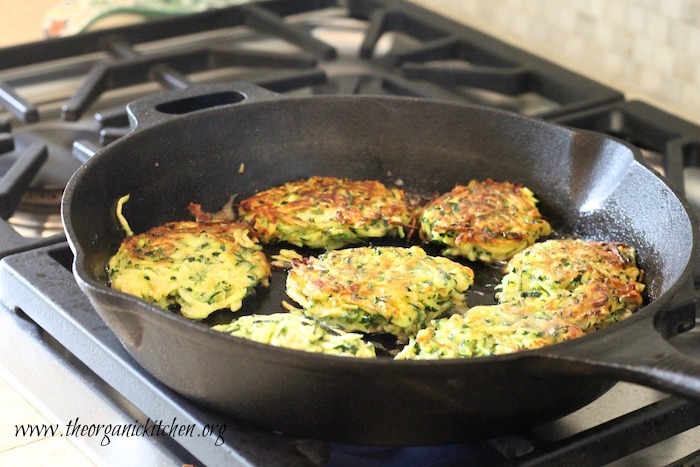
190,145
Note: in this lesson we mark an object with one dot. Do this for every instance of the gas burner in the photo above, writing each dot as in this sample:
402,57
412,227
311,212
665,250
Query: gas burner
33,225
58,137
41,161
38,214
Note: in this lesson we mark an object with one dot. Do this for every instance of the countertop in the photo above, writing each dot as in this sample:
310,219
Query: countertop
21,21
31,451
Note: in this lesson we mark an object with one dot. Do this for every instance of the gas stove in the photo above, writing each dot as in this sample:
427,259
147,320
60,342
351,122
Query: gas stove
65,99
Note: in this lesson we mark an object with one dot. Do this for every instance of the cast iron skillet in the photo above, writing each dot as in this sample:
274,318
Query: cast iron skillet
189,145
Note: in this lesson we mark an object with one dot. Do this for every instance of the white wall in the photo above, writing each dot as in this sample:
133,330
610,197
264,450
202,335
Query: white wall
647,49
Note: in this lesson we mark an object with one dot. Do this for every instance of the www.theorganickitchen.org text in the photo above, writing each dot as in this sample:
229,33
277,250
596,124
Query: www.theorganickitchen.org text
107,431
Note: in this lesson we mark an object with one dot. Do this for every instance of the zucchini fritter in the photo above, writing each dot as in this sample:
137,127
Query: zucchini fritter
488,330
202,267
327,212
553,291
485,221
378,289
295,331
591,284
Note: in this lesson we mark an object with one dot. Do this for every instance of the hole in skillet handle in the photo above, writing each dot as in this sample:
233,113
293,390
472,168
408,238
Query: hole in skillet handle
194,103
158,108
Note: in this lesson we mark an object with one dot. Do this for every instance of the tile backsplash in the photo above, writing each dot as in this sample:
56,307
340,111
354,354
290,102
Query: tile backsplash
647,49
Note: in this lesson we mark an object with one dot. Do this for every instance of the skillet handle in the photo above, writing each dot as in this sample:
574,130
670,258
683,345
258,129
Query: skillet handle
636,353
158,108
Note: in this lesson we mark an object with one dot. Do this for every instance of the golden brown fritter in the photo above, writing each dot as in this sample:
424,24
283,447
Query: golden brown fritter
592,284
485,221
553,291
378,289
299,332
488,330
201,267
327,212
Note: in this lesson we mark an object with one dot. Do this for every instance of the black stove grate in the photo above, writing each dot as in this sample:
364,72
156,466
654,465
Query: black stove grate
267,18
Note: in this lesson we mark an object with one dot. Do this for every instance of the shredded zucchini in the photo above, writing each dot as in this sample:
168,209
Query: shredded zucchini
120,216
